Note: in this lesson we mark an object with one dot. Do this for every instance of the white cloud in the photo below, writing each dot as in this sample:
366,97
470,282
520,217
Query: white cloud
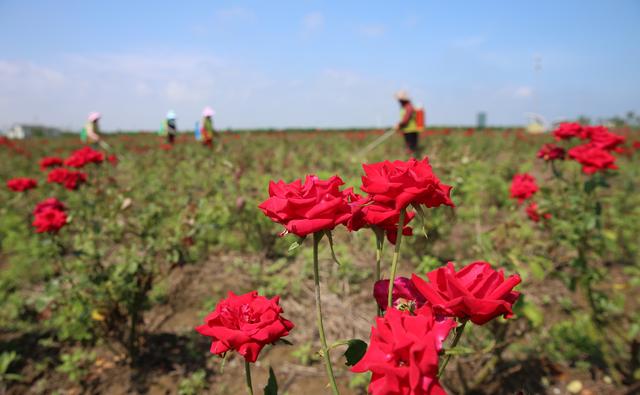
372,30
469,42
313,22
523,92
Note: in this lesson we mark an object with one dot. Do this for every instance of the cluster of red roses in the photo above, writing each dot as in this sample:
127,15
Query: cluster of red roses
523,187
315,205
407,341
403,353
594,155
50,214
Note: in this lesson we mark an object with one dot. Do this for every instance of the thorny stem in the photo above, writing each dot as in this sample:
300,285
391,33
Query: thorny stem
247,375
323,340
454,343
396,256
379,246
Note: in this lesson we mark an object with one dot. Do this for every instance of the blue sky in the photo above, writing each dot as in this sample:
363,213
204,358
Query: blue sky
314,63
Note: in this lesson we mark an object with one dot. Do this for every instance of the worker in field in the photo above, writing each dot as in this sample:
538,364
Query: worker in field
411,122
91,132
170,127
206,128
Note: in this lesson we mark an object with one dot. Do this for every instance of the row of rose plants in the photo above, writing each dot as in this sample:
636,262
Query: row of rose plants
572,211
406,353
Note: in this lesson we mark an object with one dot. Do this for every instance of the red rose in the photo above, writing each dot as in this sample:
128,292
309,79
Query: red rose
566,131
21,184
367,213
404,292
601,137
245,323
551,152
523,186
636,145
534,215
477,292
403,353
84,156
51,161
592,158
51,203
49,220
307,208
399,184
70,179
113,159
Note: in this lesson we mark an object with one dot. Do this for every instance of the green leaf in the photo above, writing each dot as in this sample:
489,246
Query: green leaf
272,385
296,244
355,351
423,219
284,341
333,253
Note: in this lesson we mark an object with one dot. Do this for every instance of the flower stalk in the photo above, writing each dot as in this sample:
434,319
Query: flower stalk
396,257
454,343
317,236
247,375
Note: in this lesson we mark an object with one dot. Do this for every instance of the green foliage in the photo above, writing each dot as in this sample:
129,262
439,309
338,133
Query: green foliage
194,384
76,364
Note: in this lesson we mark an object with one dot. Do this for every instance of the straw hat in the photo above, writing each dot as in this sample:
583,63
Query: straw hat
402,95
208,112
94,116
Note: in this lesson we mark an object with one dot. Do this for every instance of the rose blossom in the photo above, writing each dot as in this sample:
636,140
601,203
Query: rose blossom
367,213
551,152
404,292
245,323
84,156
49,220
476,292
307,208
592,158
534,215
602,138
403,353
50,161
52,203
70,179
566,131
523,186
21,184
401,183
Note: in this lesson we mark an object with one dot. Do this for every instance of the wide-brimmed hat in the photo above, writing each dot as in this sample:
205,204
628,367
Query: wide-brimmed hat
171,114
208,112
402,95
94,116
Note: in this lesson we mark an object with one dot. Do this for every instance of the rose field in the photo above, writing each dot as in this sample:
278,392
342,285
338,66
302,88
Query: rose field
262,264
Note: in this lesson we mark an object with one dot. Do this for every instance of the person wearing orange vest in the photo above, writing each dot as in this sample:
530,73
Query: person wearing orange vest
408,124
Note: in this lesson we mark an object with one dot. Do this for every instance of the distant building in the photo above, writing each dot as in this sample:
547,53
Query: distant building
23,131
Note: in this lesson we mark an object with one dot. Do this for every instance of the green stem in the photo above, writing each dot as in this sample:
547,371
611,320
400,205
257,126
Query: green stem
323,340
454,343
379,246
396,256
247,375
